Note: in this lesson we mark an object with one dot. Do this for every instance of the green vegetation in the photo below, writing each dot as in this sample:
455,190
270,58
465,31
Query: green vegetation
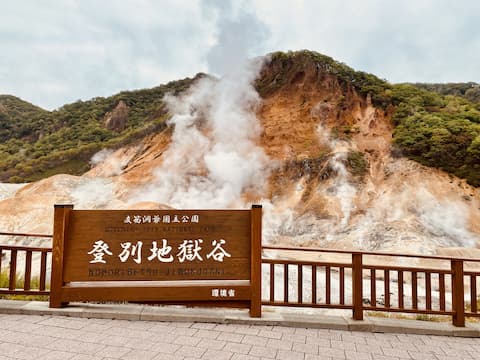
34,284
469,90
437,125
357,163
438,131
35,143
286,66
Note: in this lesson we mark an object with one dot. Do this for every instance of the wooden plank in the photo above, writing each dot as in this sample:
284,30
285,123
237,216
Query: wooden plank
60,225
458,302
23,292
441,284
24,248
307,305
400,289
473,293
357,286
28,270
314,284
12,280
409,311
428,291
387,288
471,314
468,273
305,263
43,270
406,269
26,235
342,286
328,285
373,288
256,261
300,283
149,293
350,252
414,290
272,282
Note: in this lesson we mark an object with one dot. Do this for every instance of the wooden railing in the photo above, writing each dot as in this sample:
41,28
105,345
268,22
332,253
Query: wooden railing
363,284
13,253
360,281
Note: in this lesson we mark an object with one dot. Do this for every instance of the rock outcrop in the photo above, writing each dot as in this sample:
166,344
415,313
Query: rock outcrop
116,120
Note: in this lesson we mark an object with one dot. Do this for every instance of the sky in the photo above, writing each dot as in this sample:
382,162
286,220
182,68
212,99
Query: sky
54,52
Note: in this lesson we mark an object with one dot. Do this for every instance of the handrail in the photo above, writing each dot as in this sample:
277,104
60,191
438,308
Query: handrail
28,235
380,277
318,277
25,248
29,251
375,253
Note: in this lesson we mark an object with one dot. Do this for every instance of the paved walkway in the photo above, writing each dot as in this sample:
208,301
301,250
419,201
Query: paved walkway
58,337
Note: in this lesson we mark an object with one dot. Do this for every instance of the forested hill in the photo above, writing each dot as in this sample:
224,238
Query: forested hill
441,131
468,90
35,143
437,125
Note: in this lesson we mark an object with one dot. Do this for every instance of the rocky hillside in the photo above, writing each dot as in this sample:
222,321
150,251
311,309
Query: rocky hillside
324,148
35,143
435,124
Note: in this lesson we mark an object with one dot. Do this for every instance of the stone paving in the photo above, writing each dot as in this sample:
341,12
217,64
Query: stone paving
58,337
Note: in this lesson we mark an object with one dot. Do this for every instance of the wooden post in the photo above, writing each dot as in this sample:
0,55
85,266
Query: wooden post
458,300
256,262
13,270
357,286
60,224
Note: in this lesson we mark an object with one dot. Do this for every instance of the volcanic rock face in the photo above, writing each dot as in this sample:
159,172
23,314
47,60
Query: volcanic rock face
325,173
117,118
341,183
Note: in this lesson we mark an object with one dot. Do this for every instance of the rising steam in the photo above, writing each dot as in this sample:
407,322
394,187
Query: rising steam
214,158
214,161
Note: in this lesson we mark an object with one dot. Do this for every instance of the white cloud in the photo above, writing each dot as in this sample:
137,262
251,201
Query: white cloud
97,48
425,40
57,51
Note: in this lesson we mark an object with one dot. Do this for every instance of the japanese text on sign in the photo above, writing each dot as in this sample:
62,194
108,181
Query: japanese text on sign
158,219
188,250
223,292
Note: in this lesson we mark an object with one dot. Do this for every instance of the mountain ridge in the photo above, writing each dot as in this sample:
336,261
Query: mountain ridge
436,130
317,150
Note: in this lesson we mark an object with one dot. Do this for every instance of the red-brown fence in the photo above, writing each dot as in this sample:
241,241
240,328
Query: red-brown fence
13,253
360,281
365,281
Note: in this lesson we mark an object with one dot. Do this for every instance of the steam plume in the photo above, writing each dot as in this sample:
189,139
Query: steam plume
214,157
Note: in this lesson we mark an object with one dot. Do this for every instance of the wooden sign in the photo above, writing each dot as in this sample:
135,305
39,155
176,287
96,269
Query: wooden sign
210,257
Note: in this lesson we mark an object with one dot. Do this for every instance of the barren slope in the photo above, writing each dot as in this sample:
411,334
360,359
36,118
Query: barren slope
333,180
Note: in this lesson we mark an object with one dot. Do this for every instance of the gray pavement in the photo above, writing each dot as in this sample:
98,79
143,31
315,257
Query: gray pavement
60,337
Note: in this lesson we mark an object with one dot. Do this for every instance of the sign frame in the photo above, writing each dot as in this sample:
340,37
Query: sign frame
184,292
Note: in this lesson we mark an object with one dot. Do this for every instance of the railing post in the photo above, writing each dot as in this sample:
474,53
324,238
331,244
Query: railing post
256,261
60,225
357,286
458,300
12,281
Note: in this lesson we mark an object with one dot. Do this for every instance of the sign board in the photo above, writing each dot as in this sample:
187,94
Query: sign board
211,257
